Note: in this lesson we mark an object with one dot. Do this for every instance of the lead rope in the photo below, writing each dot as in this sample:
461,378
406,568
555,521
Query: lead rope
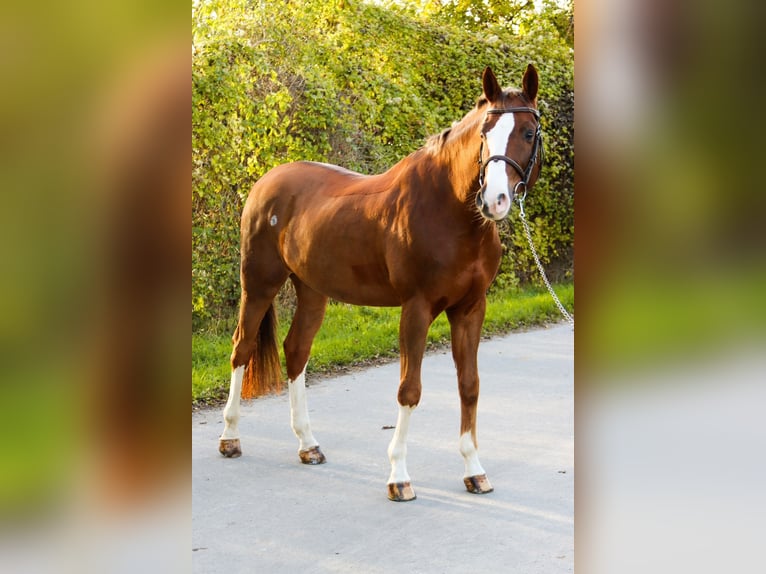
539,265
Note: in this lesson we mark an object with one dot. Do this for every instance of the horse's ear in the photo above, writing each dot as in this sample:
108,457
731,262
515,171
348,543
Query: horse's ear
530,83
492,89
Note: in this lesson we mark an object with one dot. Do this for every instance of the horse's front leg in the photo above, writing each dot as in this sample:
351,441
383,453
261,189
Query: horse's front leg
413,329
465,324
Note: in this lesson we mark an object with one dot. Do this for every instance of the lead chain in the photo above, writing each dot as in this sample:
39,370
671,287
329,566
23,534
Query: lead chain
540,266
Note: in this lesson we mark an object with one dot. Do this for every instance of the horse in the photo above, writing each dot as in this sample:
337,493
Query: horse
421,236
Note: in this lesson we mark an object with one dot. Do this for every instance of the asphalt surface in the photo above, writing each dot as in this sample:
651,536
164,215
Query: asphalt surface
267,512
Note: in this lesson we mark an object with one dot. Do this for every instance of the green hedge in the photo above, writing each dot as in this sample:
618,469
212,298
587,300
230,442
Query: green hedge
361,86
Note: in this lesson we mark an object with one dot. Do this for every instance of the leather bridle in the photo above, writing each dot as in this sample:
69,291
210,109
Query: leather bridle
537,151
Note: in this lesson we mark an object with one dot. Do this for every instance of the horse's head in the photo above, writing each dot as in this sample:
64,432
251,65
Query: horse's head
511,144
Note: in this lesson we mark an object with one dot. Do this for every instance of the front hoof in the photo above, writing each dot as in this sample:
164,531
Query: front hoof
312,455
401,492
230,447
478,484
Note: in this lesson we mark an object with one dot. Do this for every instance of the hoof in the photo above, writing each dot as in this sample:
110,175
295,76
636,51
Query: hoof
229,447
401,492
312,455
478,484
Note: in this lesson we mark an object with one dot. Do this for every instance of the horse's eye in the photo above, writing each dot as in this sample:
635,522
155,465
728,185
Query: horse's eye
529,135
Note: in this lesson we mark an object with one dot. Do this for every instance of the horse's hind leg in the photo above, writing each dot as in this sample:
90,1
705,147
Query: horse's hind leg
465,324
252,312
308,317
254,342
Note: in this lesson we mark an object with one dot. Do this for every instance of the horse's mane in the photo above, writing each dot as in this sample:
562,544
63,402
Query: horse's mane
435,143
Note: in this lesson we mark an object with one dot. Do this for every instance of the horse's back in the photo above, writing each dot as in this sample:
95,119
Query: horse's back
302,177
330,227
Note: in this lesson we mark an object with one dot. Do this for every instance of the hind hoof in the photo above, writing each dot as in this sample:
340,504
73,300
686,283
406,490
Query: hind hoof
478,484
230,447
312,455
401,492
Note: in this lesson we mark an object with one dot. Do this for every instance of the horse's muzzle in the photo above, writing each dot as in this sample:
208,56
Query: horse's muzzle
495,211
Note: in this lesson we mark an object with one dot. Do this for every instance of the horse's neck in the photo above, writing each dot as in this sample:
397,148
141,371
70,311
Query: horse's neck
452,170
459,157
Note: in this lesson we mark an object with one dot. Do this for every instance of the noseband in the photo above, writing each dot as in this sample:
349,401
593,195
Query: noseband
524,174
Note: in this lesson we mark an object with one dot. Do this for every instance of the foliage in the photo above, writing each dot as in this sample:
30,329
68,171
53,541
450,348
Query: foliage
362,86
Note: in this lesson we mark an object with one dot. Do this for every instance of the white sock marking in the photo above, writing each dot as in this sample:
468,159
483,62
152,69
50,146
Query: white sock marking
299,412
231,410
470,455
397,449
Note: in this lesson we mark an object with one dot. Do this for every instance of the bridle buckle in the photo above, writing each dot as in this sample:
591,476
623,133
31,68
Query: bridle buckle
518,196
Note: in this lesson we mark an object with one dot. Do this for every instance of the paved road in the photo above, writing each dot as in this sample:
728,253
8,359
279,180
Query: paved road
266,512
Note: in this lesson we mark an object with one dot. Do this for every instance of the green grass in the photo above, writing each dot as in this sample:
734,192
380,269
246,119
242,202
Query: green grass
358,335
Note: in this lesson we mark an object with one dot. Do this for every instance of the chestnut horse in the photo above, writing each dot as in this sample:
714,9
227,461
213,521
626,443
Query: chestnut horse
421,236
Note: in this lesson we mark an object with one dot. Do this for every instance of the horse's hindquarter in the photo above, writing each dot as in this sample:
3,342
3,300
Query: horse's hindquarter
332,232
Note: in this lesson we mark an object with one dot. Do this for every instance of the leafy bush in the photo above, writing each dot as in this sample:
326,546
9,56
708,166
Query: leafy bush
361,86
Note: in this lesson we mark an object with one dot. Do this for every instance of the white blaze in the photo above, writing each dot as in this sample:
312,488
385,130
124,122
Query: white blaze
496,195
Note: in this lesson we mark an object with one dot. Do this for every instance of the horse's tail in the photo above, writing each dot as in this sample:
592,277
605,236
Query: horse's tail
263,374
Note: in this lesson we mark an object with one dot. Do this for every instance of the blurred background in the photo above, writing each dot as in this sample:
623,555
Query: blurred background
95,171
670,253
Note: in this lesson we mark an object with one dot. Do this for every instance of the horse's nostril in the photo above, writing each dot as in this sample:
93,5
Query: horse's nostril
502,198
479,200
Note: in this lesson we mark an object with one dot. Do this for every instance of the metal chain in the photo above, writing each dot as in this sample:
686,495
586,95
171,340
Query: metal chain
540,266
